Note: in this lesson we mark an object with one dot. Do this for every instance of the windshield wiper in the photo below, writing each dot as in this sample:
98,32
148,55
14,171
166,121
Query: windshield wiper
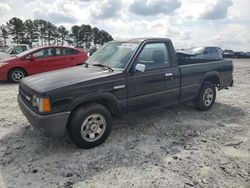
101,65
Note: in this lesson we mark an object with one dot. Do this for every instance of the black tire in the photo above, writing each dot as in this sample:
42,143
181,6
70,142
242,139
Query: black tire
15,75
203,101
77,121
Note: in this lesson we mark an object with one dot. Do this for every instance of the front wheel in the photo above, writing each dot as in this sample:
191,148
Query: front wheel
90,125
206,97
16,75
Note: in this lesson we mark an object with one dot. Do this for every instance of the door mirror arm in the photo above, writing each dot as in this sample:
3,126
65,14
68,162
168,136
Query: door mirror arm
30,57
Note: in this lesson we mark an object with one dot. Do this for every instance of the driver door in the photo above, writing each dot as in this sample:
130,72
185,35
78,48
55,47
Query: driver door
158,85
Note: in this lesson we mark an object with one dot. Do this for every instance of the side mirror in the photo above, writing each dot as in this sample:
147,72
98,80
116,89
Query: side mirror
31,58
140,67
13,52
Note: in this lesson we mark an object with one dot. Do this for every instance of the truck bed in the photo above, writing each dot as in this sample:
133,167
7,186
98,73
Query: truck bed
193,74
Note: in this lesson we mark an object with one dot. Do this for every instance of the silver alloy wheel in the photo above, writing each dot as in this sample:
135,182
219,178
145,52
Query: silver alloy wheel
208,96
93,127
17,75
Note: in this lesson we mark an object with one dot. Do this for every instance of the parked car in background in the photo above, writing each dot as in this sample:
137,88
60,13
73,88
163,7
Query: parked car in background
90,51
240,55
14,49
247,54
41,59
228,53
232,54
207,53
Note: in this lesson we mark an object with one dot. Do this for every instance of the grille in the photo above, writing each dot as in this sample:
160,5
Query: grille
26,97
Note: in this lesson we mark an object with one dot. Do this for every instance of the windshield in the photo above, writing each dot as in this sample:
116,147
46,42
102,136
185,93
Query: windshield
114,54
25,52
197,50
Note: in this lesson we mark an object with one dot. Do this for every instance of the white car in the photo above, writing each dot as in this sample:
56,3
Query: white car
13,50
207,53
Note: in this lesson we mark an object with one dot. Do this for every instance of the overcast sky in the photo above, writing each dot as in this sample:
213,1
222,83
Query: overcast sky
224,23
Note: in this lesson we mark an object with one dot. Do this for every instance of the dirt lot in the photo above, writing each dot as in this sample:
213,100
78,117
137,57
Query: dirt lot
174,147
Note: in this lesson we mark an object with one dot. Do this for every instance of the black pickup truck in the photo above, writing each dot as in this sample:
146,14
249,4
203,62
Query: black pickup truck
121,78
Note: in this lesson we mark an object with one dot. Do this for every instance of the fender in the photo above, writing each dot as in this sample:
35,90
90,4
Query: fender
100,96
209,74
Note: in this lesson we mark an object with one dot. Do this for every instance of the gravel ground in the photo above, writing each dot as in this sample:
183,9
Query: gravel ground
174,147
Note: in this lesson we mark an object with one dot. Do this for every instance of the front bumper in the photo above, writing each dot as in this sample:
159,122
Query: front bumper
3,75
53,125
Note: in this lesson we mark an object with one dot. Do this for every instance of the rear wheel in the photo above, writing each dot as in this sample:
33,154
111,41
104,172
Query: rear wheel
206,97
15,75
90,125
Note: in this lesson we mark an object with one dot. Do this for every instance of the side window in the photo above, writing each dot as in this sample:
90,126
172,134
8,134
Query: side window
73,51
67,51
47,52
38,53
154,56
214,50
24,48
207,51
60,51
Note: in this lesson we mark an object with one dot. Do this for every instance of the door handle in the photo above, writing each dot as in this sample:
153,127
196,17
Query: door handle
168,74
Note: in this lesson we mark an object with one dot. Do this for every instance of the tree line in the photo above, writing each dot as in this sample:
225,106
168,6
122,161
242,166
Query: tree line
46,33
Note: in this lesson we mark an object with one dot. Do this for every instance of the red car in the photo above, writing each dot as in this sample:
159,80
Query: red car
41,59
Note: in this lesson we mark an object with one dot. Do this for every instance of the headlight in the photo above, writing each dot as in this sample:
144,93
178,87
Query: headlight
2,64
42,104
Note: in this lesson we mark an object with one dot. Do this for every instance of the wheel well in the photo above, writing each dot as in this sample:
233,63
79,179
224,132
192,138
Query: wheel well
110,105
214,79
17,68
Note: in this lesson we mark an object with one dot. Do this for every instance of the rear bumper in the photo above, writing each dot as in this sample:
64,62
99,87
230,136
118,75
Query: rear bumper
51,125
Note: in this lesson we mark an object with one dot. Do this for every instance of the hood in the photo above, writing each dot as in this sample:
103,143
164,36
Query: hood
3,55
52,80
7,59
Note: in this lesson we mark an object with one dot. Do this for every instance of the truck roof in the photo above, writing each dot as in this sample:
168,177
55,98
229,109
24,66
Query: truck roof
19,45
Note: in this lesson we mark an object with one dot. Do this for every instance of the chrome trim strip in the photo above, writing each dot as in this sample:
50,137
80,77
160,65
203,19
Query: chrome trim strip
119,87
